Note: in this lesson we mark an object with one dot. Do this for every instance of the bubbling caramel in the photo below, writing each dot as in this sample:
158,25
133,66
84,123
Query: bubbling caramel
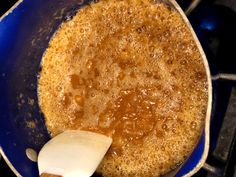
129,69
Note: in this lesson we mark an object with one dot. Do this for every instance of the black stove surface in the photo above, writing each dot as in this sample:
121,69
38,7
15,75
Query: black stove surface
214,22
215,25
5,5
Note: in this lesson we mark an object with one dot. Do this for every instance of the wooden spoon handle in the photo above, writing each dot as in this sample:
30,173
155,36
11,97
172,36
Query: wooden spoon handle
49,175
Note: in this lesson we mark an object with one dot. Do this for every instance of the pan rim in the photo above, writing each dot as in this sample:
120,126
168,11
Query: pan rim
209,104
9,163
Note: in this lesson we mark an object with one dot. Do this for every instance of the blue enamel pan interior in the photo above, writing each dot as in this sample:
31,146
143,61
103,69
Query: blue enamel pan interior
24,36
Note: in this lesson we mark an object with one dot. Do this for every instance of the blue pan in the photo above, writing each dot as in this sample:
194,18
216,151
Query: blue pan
25,32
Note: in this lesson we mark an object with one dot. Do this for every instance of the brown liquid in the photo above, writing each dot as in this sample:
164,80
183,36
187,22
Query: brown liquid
130,70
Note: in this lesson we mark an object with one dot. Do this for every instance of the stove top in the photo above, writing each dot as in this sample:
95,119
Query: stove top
214,22
215,25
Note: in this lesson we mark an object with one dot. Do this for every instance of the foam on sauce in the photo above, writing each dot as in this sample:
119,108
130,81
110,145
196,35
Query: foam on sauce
131,70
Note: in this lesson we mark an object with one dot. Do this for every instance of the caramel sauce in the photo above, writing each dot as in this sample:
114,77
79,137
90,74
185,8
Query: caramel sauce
131,70
130,118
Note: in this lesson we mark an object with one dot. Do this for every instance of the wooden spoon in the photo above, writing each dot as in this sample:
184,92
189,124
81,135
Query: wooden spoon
73,153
